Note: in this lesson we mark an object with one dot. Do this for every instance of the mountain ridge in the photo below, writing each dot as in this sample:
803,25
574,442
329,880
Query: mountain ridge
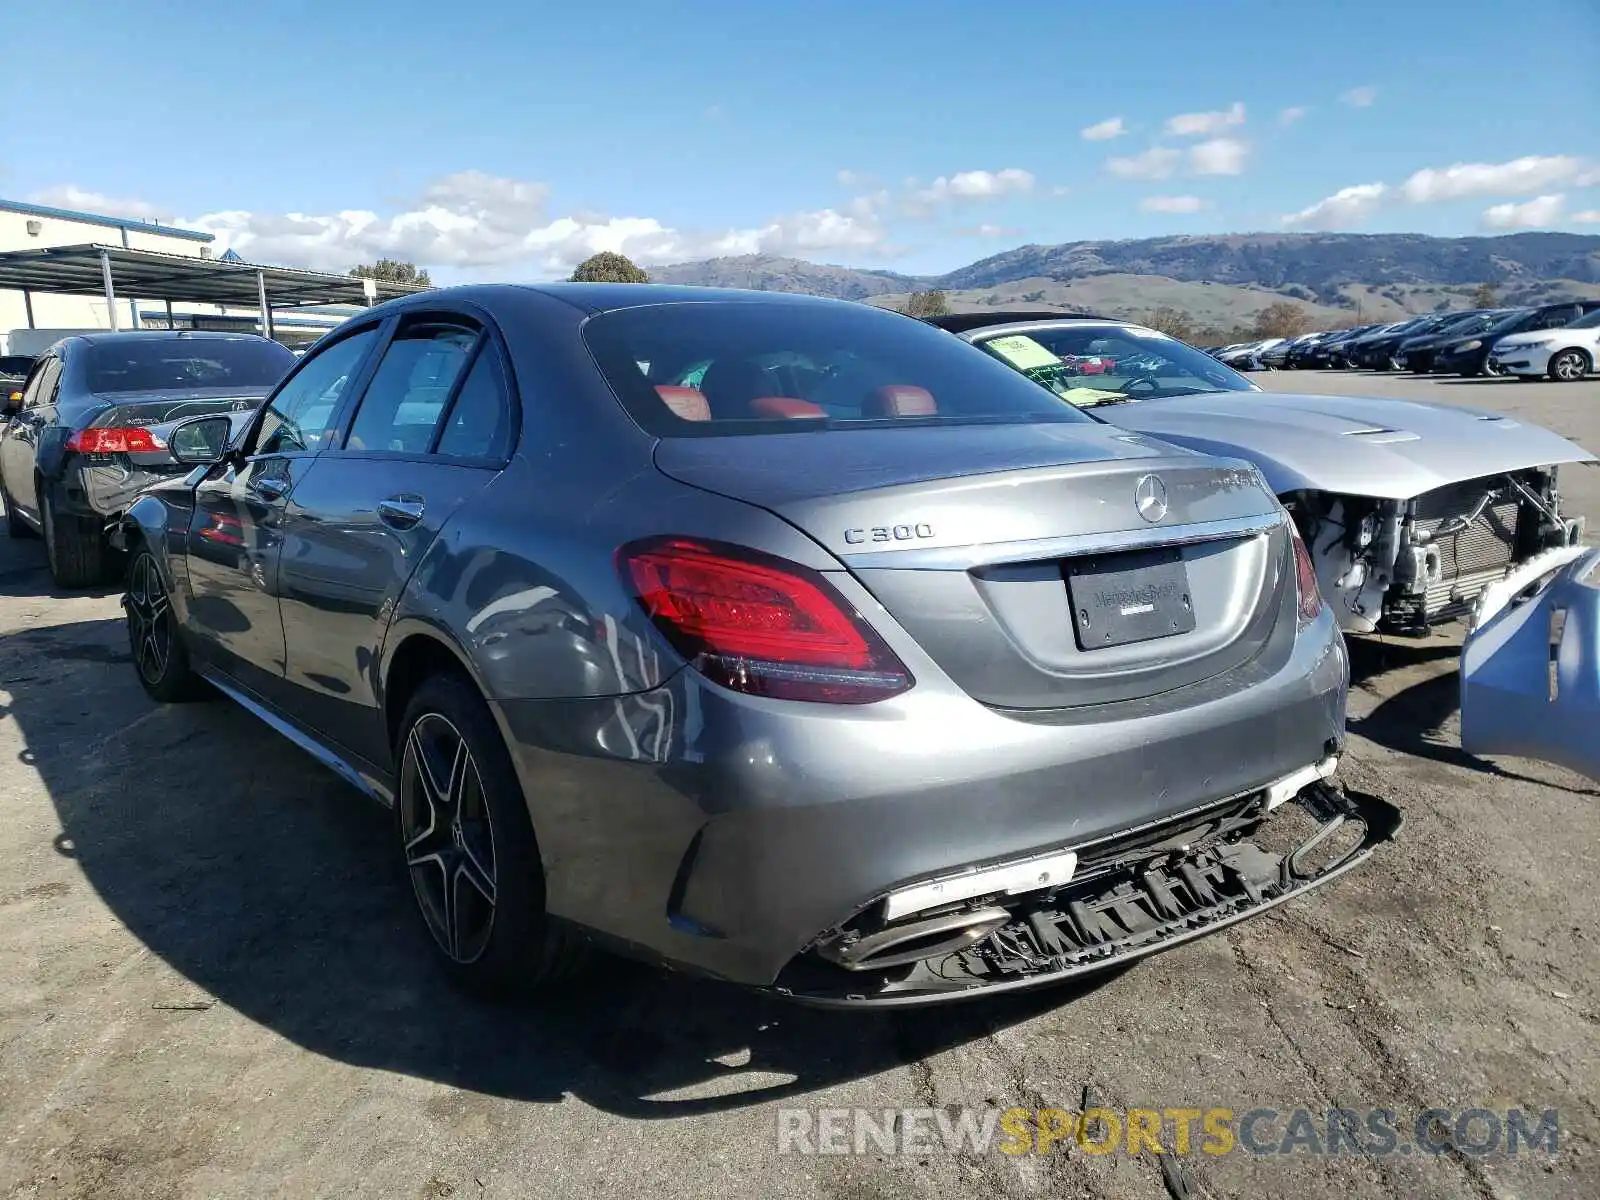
1321,267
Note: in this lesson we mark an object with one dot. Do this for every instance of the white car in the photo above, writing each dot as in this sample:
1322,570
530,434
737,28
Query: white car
1565,354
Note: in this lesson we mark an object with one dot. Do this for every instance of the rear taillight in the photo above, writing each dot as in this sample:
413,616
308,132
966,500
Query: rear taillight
1305,577
113,440
759,624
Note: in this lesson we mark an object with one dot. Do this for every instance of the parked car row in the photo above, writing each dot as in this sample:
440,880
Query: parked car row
1554,341
795,642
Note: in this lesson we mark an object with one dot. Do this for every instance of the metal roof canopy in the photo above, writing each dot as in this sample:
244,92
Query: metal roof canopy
96,270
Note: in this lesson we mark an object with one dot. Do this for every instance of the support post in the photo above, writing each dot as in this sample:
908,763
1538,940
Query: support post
27,306
111,292
266,309
170,324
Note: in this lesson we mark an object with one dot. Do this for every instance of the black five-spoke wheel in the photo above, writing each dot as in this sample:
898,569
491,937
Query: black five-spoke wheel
449,837
159,654
149,620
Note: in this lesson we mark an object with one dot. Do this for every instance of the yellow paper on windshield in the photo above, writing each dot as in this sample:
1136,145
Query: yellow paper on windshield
1022,352
1085,395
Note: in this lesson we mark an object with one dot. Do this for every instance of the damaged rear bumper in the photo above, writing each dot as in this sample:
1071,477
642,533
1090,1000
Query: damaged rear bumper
1129,896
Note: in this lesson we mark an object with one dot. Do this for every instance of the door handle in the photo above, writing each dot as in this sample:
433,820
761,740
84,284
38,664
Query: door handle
401,512
269,487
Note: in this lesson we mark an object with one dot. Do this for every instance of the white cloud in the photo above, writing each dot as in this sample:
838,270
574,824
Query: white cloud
1348,206
482,224
965,186
1589,216
989,231
1061,190
1172,204
1219,156
1290,115
1113,127
1158,162
1360,97
80,200
1589,178
1541,211
1202,123
1515,178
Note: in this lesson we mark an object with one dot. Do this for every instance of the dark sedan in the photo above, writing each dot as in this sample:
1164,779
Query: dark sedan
1329,352
1416,353
91,425
1376,351
1470,355
790,640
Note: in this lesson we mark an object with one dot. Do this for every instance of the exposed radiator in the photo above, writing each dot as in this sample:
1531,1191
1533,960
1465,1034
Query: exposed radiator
1473,557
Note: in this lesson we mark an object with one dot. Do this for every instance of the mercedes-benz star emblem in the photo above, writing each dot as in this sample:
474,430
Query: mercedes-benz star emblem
1150,498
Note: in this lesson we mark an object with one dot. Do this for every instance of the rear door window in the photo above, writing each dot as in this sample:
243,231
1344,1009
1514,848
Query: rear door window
414,382
479,421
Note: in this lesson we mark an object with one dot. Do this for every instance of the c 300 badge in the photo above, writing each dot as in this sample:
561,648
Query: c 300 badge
888,533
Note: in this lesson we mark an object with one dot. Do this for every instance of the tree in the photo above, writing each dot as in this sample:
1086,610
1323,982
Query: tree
1172,321
1483,296
1282,319
932,303
390,271
608,267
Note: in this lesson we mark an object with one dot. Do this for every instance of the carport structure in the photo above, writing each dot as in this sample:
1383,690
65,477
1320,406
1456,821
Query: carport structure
96,270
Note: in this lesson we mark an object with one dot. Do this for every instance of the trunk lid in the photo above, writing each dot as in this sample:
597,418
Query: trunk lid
161,412
1018,556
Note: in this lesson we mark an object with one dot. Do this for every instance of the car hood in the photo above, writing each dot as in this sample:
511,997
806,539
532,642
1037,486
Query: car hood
1389,449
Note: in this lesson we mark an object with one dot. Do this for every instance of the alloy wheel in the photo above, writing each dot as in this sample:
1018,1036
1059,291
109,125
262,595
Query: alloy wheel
149,620
1567,367
448,837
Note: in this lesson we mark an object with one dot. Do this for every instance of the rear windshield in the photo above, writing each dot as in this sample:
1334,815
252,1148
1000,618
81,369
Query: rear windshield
1091,365
171,364
15,364
719,367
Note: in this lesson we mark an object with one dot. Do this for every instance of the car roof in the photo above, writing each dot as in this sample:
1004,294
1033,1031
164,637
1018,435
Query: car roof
962,322
119,337
594,298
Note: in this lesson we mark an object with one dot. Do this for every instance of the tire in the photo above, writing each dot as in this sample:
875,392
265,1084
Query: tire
160,658
1569,366
467,844
77,550
16,526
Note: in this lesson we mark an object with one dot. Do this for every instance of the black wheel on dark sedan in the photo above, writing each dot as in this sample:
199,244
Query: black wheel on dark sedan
159,654
469,846
76,548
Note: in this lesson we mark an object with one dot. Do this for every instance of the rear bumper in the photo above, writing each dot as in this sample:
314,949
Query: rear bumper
728,834
94,490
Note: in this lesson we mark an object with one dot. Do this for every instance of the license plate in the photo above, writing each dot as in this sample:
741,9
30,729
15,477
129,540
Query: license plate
1133,596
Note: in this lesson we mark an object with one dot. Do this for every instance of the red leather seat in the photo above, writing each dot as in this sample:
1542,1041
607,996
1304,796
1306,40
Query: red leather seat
900,400
785,406
687,402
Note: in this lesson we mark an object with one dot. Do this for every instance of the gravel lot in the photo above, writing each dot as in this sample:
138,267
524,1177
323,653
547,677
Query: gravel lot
211,983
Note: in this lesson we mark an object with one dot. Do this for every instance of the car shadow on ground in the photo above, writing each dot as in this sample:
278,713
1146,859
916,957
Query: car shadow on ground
24,572
1414,720
270,885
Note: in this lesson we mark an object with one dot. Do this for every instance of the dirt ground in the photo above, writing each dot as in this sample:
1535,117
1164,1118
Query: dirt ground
211,983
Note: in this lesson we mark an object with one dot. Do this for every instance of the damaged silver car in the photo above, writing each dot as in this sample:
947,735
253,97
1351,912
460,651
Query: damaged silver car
1410,509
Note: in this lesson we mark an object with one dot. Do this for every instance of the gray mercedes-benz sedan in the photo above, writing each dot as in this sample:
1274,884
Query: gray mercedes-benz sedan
786,640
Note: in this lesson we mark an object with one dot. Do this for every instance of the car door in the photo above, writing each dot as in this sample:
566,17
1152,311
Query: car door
20,447
235,533
432,426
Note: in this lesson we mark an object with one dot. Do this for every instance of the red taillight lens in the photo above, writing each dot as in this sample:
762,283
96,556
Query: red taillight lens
1305,577
761,625
111,440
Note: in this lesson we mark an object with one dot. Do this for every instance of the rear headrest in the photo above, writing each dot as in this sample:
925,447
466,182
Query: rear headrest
687,402
784,406
900,400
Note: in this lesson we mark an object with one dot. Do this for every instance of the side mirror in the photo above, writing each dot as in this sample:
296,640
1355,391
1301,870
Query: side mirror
201,441
11,404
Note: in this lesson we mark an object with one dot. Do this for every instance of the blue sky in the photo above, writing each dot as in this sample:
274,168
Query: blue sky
509,139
